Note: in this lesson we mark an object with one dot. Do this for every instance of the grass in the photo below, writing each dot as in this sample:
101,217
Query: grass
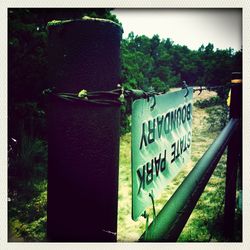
205,222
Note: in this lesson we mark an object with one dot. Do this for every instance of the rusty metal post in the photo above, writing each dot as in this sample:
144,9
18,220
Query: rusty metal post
234,155
83,154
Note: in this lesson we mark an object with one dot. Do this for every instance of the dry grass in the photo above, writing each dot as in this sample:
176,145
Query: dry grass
199,226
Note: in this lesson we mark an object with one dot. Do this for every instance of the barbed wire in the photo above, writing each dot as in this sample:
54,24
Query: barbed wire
108,98
117,96
211,88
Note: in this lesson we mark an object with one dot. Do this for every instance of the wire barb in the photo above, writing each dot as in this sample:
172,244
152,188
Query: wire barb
154,101
151,195
185,86
211,88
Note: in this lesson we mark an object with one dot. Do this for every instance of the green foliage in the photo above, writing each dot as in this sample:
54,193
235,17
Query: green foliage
218,117
125,119
29,118
215,100
27,183
158,85
217,112
28,218
27,161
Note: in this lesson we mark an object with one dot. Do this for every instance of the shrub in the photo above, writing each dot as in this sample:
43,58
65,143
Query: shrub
215,100
218,117
27,187
28,217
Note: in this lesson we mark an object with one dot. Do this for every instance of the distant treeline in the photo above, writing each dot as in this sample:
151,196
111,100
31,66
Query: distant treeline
159,63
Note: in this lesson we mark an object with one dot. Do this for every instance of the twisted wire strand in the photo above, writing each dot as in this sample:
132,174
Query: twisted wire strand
117,96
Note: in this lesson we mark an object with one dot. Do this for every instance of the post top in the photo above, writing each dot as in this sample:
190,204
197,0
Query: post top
85,19
236,77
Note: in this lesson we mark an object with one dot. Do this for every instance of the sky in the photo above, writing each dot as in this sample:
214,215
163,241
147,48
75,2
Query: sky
190,27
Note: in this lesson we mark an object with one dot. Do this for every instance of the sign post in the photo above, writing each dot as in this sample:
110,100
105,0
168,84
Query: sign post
83,152
234,155
161,144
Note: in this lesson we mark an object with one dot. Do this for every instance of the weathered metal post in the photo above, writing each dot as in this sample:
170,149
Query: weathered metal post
233,155
83,154
170,221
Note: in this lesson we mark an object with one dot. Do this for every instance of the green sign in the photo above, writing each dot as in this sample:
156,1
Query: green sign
161,144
